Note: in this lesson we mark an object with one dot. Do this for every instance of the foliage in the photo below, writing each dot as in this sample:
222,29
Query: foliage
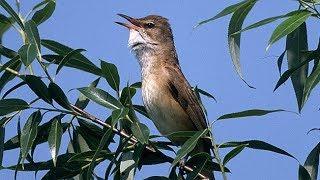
91,137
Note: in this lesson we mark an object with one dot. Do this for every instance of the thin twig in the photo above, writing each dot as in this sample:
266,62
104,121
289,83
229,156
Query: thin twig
96,120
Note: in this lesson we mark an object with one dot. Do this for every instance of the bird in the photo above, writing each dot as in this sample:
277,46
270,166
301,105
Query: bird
166,93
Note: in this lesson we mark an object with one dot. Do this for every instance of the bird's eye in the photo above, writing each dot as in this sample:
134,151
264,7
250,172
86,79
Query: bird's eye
149,25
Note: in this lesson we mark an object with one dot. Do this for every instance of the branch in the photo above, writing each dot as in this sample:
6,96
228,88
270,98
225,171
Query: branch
121,133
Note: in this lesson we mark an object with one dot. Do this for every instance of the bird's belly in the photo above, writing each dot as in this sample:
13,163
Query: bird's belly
164,111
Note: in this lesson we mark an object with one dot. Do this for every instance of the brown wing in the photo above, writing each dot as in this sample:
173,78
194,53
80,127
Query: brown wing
181,91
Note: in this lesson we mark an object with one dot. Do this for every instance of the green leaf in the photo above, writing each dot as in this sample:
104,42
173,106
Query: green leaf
43,14
13,88
42,135
280,60
78,61
82,100
141,132
205,93
312,162
126,95
9,53
288,26
101,97
181,134
88,156
102,144
156,178
314,77
110,72
68,57
297,42
9,9
54,139
38,87
28,53
203,160
267,21
8,76
303,173
233,153
248,113
256,144
58,95
141,109
29,134
224,12
33,34
118,114
285,76
188,146
198,158
11,105
235,25
2,137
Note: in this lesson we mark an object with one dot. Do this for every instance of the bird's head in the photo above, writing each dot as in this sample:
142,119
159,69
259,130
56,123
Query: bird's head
148,32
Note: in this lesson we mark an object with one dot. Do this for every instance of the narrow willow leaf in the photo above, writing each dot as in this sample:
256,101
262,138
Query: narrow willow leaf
267,21
102,144
8,76
78,61
141,132
54,139
126,95
288,26
256,144
2,137
235,25
286,75
311,81
58,95
205,93
11,105
303,173
297,42
181,134
203,160
9,9
101,97
110,72
82,100
43,14
233,153
188,146
28,53
9,53
33,34
136,85
142,110
88,156
312,162
13,88
68,57
224,12
29,134
280,60
248,113
157,178
38,87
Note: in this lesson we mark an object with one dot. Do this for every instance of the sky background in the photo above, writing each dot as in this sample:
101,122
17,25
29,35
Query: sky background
205,60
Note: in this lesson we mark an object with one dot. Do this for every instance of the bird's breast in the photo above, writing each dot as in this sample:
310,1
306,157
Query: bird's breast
164,111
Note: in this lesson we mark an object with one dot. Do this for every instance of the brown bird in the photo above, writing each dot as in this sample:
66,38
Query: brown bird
166,93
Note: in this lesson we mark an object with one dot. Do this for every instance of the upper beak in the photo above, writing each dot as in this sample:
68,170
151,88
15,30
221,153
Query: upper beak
134,23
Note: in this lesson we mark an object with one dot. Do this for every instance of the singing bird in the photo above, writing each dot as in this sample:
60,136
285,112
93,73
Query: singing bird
167,95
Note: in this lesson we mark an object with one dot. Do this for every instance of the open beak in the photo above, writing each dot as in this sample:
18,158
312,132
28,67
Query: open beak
134,23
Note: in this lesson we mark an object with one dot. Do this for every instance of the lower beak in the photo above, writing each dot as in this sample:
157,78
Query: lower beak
134,23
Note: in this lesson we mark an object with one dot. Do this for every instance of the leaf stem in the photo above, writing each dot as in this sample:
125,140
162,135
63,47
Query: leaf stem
217,155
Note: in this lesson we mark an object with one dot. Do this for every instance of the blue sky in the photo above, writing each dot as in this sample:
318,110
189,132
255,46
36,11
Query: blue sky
204,58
